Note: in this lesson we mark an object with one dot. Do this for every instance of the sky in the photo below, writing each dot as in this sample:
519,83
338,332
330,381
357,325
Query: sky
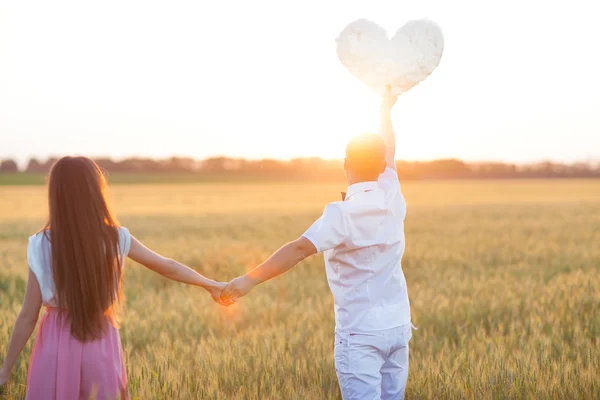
519,80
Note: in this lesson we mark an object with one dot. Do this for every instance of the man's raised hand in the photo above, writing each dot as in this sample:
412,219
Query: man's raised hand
386,128
388,101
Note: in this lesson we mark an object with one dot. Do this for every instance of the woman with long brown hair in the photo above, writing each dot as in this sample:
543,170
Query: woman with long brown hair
75,271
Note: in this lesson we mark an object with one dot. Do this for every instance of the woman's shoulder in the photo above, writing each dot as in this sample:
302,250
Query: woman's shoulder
39,238
38,249
124,240
124,234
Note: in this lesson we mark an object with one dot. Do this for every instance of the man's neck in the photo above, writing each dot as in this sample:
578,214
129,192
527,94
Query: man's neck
353,181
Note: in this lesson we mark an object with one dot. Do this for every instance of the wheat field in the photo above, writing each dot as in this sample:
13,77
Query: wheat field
503,277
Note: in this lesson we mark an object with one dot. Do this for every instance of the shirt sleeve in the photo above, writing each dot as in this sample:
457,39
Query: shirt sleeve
388,180
32,257
124,242
40,263
329,231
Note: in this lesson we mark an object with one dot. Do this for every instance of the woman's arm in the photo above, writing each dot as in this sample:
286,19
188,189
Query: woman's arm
24,326
173,270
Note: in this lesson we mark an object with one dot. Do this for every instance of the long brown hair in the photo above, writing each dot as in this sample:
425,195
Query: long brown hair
86,263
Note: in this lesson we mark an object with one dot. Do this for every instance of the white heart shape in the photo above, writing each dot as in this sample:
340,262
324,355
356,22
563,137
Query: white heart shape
400,62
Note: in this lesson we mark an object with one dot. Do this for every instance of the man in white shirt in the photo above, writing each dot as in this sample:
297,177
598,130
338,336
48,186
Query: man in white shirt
362,238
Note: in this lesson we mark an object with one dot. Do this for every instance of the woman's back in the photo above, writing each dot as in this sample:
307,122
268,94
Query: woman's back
76,270
39,256
77,260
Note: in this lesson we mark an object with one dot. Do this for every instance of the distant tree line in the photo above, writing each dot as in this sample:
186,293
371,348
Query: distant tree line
324,169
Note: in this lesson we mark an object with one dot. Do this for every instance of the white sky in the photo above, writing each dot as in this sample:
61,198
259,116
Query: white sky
519,79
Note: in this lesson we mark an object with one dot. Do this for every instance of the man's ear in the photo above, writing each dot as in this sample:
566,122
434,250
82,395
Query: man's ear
383,167
345,164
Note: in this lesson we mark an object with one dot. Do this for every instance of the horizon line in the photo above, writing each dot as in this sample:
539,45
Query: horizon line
590,160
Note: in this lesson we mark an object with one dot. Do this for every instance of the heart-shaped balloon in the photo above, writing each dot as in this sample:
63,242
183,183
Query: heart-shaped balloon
400,62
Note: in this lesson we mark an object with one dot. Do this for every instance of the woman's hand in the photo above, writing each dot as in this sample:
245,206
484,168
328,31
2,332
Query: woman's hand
4,377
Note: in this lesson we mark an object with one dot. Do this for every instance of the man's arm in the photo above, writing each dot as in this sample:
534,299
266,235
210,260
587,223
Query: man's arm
280,262
387,130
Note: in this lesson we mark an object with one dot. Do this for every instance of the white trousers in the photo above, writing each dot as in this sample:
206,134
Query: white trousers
374,365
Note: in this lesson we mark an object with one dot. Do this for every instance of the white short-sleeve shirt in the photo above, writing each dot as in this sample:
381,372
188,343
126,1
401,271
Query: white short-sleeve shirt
362,239
39,257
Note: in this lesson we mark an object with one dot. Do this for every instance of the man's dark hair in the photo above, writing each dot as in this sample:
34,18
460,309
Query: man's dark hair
365,156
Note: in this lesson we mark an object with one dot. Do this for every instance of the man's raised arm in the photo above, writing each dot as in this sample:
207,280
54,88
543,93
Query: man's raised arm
386,129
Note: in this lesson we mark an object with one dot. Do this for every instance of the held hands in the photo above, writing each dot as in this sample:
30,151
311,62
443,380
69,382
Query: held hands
215,291
227,293
235,289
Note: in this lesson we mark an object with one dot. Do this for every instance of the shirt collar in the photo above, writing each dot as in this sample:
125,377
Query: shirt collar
360,187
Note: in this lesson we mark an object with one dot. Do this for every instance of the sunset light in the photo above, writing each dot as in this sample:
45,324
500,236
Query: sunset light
299,200
202,79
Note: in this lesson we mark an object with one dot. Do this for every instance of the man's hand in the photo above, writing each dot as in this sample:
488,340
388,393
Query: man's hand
388,101
386,129
237,288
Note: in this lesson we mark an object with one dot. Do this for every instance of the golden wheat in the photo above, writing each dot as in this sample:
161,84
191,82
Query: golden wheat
503,278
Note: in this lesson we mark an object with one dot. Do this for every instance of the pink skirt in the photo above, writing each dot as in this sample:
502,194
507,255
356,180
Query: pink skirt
63,368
